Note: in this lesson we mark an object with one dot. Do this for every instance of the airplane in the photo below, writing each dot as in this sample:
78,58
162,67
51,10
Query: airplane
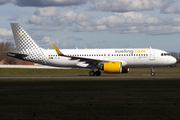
107,60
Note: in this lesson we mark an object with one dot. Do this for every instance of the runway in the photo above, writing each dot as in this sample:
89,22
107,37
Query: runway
92,77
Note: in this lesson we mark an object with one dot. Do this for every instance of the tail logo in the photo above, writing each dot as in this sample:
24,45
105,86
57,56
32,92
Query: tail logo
26,45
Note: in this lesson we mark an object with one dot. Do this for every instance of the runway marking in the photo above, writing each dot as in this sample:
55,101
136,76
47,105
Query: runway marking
93,77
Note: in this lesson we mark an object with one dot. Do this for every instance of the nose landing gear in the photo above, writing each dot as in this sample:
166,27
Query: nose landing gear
152,72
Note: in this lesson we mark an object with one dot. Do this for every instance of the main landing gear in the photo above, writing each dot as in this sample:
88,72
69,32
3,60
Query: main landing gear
97,73
152,72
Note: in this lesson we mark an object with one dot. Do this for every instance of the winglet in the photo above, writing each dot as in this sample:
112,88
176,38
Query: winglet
57,51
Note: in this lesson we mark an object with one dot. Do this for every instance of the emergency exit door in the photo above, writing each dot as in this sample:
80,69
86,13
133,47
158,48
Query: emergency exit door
152,55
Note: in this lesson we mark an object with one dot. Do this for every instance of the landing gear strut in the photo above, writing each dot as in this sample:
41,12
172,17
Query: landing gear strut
152,72
97,73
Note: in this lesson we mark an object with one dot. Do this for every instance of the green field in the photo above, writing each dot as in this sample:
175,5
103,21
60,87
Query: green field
89,99
77,72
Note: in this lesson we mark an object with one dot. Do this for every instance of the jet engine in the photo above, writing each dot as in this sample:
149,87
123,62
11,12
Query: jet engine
114,67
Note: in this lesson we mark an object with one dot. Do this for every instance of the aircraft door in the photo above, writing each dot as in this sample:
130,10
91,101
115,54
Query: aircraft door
152,55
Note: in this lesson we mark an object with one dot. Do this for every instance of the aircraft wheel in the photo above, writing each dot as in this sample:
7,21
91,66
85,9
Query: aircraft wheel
91,73
152,74
98,73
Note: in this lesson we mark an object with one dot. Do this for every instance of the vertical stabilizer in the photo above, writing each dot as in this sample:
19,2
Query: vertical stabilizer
22,40
26,45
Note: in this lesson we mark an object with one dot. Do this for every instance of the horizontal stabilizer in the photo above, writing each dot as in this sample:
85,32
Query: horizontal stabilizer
16,54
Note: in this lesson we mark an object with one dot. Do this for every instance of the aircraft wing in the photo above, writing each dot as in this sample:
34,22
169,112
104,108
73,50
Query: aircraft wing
87,60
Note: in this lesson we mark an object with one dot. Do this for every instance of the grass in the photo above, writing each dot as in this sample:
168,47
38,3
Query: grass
89,99
72,72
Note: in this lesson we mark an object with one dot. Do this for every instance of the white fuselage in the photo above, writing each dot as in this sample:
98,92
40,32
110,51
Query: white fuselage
109,60
128,57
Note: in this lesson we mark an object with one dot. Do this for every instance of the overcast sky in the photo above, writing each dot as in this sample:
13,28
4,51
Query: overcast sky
95,23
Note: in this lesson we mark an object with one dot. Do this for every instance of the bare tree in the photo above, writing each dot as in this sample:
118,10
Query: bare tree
175,54
4,48
179,58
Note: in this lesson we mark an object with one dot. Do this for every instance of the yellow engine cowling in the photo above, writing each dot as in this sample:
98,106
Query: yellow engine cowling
114,67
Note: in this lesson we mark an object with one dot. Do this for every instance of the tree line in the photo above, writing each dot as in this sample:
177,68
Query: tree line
4,48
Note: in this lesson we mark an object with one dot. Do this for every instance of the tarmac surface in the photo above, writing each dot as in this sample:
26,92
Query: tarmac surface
95,77
106,97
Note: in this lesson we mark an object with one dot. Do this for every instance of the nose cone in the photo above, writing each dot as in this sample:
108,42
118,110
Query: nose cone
173,60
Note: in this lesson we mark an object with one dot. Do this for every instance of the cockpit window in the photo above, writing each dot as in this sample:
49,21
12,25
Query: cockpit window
165,54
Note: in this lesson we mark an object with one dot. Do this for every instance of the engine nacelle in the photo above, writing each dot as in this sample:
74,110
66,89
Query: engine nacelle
114,67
